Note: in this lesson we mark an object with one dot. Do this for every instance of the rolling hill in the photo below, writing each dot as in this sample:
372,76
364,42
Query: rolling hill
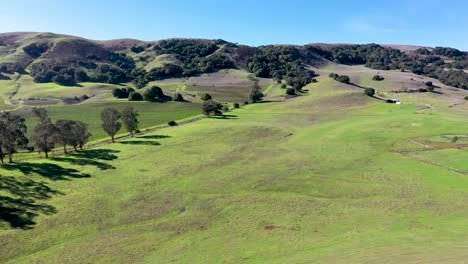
328,175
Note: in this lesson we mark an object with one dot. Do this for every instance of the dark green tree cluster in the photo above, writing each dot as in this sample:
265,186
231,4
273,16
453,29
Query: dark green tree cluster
427,62
122,92
340,78
211,107
281,63
154,94
195,56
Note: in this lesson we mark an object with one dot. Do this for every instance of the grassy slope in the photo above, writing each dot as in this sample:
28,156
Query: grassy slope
151,114
308,180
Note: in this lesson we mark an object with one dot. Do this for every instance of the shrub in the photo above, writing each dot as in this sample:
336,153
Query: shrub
153,94
226,109
135,96
256,94
178,97
172,123
333,75
378,78
369,91
206,97
211,107
343,79
236,105
429,84
137,49
466,97
122,92
290,91
283,86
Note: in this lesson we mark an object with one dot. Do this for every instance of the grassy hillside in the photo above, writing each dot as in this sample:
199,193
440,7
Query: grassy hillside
320,178
150,114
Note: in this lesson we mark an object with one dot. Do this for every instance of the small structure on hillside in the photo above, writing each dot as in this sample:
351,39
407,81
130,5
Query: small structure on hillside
393,101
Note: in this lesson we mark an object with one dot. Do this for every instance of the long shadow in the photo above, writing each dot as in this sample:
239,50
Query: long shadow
357,85
22,204
266,102
84,162
224,117
101,154
154,136
48,170
140,142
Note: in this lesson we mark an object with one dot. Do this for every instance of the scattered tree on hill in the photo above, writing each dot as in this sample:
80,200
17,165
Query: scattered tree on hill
206,97
378,78
110,121
12,135
211,107
369,91
122,92
343,79
64,133
130,120
153,94
135,96
256,94
178,97
79,135
429,83
333,75
44,134
236,105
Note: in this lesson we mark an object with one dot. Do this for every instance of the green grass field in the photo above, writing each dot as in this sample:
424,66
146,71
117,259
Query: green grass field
309,180
150,114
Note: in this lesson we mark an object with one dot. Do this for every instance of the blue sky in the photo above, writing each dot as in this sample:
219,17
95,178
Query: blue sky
429,22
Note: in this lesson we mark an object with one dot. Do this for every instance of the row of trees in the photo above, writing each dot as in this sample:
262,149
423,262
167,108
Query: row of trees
45,135
112,121
152,94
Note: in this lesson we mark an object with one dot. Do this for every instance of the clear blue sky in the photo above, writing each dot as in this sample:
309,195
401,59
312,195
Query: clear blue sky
428,22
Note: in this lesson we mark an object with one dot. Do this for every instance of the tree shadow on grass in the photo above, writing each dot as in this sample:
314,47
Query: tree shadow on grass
267,101
49,170
84,162
224,117
101,154
140,142
154,136
22,204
